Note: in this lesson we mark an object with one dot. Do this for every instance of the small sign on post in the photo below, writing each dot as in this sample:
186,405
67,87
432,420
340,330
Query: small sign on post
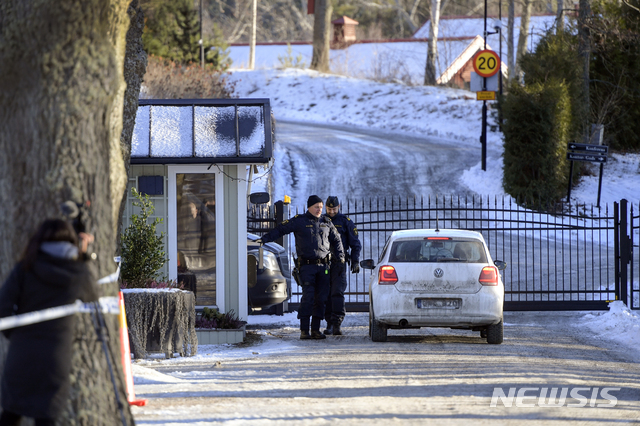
590,153
486,63
485,95
575,156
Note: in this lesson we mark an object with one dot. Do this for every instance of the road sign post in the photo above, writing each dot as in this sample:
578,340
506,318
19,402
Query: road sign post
590,153
486,63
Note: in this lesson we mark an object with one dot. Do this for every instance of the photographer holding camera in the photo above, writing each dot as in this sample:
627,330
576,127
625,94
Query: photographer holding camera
52,272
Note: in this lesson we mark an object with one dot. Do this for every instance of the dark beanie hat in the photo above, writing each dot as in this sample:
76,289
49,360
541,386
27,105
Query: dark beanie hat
314,199
332,201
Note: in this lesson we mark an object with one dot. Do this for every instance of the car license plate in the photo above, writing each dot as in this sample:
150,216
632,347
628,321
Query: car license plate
439,303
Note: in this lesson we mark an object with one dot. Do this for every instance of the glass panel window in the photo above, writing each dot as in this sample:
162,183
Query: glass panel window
196,235
171,131
251,129
140,137
451,250
215,131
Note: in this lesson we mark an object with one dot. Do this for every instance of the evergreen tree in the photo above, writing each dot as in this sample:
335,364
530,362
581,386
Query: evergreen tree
615,72
141,248
172,32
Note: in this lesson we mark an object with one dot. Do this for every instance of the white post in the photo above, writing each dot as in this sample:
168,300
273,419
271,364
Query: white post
252,43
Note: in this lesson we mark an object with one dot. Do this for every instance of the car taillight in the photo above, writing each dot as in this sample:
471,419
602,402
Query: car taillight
489,276
387,275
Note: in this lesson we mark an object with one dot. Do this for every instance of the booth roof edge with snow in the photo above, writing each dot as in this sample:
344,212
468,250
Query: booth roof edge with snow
190,156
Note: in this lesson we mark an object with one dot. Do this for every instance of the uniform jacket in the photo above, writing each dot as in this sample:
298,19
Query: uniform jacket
348,235
315,237
35,382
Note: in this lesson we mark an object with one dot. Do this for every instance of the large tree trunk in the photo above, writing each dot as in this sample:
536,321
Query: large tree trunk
135,67
511,53
432,51
61,124
560,16
321,35
524,34
584,48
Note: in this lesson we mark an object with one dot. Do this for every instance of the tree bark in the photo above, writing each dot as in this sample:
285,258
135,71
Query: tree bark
135,67
584,49
524,34
61,138
432,51
321,35
511,54
560,16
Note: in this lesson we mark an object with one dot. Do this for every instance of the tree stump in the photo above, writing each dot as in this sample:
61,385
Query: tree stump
161,320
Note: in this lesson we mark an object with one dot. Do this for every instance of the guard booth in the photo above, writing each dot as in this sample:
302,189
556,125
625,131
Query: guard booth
191,156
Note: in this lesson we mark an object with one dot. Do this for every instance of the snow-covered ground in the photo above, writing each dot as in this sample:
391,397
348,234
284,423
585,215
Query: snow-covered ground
451,114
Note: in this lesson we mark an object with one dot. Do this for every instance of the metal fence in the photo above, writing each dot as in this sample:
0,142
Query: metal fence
566,260
634,268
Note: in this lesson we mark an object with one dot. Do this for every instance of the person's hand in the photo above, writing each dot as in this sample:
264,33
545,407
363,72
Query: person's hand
85,240
355,267
259,241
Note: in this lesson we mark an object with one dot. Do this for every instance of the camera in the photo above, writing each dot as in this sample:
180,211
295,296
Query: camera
77,214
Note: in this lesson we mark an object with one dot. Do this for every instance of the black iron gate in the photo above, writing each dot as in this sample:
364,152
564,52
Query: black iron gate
634,255
574,258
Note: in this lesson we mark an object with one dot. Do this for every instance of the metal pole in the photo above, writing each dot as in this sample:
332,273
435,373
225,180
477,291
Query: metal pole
483,138
252,39
485,24
600,184
570,182
500,47
201,42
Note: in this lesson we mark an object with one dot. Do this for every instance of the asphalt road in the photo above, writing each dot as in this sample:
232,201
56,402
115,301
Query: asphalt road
358,163
434,376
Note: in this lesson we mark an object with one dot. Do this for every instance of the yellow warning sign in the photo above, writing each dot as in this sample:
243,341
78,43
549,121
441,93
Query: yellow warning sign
485,96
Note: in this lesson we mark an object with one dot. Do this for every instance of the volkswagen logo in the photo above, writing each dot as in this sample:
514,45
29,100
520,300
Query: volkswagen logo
438,273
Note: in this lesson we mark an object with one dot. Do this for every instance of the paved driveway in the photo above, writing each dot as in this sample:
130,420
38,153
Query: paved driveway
435,376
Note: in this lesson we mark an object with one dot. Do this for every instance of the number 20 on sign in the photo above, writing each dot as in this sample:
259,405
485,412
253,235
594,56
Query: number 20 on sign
486,63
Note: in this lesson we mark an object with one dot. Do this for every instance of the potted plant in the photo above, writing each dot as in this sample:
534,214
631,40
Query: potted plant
160,315
213,327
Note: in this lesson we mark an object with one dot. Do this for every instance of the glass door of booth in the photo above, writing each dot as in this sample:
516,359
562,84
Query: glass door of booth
195,257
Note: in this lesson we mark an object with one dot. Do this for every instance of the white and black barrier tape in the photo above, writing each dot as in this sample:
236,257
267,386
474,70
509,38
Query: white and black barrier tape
108,305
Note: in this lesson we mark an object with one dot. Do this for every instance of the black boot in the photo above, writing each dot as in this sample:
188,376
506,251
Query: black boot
304,335
329,329
336,330
315,334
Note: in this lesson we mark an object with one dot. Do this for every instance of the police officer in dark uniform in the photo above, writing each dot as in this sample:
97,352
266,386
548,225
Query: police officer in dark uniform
335,309
316,238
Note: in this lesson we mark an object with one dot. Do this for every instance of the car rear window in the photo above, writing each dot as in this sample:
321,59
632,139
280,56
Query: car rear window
424,250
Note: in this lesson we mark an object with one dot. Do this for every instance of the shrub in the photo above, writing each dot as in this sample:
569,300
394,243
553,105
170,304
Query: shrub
158,284
142,250
211,318
536,130
556,59
289,61
166,79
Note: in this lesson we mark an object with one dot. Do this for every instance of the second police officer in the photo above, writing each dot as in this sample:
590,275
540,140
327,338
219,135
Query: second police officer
316,238
335,308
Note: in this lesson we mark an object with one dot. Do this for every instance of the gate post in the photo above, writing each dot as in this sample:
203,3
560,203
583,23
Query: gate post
625,250
278,216
616,247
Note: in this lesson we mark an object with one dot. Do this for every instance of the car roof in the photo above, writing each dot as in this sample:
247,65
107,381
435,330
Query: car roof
423,233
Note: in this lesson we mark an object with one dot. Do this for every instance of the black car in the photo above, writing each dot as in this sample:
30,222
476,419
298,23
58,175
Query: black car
270,285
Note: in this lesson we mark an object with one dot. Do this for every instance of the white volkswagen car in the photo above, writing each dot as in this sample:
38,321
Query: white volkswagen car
436,278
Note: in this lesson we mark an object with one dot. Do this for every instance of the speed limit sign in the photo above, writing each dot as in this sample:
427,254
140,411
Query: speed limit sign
486,63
